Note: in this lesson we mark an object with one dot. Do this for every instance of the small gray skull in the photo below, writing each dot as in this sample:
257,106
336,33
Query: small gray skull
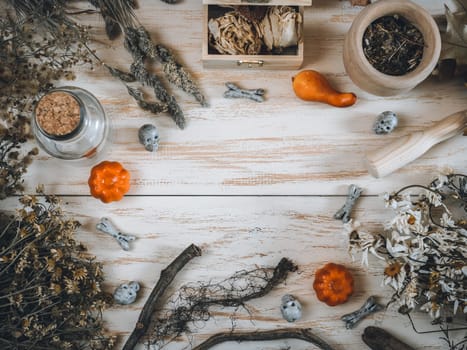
126,293
385,123
291,308
149,137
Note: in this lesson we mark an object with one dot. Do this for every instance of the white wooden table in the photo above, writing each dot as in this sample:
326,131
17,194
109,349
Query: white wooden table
249,182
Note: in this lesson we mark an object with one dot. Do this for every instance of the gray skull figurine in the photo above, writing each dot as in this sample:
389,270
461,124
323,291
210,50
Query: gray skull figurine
291,308
126,293
385,123
149,137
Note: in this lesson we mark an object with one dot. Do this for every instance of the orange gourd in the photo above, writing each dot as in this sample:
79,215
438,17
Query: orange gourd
333,284
310,85
109,181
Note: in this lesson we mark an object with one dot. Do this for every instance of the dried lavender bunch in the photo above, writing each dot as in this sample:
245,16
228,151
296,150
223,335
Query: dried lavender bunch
153,107
424,247
178,76
117,14
50,289
139,44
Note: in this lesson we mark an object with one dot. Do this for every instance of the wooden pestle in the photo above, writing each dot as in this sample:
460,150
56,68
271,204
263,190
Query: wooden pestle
389,158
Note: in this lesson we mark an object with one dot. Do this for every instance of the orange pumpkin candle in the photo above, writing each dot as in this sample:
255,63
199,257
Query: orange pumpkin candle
333,284
109,181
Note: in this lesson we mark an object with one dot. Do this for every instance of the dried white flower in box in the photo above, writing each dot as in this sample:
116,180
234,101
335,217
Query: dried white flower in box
281,27
233,34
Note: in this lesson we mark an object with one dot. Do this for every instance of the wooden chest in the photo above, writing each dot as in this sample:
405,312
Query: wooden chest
290,57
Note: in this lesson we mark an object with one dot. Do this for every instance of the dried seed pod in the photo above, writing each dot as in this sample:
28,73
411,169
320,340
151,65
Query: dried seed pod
281,27
233,34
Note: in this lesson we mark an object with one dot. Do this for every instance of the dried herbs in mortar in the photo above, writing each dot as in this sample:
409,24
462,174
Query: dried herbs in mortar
393,45
50,287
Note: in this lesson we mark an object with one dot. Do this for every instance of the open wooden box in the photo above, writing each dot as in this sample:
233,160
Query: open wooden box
288,58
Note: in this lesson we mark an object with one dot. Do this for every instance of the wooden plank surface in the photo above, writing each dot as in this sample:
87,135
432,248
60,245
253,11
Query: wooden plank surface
237,233
249,182
281,146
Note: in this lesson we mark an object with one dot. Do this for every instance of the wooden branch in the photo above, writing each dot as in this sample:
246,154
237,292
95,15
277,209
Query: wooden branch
377,339
275,334
167,276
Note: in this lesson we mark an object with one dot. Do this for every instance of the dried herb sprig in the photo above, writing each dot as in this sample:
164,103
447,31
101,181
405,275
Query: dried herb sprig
13,164
424,246
50,289
116,13
30,63
153,107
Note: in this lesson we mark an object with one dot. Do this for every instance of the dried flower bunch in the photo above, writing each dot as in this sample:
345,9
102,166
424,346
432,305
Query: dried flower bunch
31,60
248,29
13,163
424,246
50,288
33,56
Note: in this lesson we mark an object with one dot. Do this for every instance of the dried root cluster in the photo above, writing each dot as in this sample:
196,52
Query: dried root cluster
424,247
50,289
193,302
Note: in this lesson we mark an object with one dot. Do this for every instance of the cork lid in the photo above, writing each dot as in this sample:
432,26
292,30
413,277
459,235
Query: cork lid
58,114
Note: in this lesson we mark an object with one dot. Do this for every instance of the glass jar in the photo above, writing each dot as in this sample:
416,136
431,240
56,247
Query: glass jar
70,123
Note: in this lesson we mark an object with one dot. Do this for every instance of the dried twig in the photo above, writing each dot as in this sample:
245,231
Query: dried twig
167,276
275,334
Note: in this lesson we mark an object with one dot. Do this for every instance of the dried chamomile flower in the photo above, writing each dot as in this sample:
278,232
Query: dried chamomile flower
424,245
51,290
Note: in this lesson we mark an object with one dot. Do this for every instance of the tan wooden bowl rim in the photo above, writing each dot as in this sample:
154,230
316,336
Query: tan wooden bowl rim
416,15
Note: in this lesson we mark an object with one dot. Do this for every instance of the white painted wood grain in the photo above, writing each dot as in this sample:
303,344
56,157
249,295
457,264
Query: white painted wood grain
281,146
239,233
